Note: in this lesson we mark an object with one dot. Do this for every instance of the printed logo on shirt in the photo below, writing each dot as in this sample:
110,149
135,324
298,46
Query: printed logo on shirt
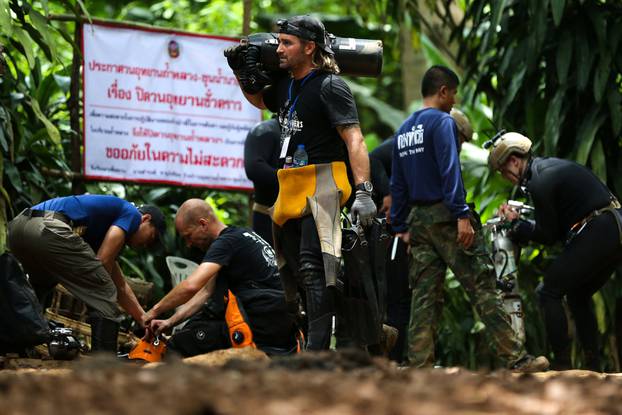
289,127
411,142
266,250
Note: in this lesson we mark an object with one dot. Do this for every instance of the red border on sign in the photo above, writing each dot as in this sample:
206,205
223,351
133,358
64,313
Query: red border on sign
116,179
168,182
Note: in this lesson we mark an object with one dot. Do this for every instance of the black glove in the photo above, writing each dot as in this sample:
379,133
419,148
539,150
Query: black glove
235,57
520,231
252,78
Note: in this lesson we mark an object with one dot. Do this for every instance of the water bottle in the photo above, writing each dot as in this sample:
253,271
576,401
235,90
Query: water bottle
301,158
289,162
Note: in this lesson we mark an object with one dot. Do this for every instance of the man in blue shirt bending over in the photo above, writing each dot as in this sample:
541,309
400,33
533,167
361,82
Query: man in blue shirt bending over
75,241
430,213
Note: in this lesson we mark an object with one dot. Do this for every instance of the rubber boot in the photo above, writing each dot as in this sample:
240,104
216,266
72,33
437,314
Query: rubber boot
104,333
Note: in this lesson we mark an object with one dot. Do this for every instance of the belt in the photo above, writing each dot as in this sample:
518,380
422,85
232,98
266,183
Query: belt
79,230
33,213
611,207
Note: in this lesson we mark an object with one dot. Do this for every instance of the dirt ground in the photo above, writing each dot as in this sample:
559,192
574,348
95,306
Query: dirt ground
234,382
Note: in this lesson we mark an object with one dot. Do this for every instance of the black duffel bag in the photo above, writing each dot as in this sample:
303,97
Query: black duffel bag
22,323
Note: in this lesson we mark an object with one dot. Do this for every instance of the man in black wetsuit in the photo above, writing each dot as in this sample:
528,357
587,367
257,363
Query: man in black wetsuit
574,207
261,158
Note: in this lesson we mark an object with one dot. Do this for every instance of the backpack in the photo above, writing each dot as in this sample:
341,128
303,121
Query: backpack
22,323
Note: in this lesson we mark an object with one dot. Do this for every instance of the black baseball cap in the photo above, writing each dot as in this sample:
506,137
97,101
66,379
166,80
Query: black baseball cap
157,218
308,28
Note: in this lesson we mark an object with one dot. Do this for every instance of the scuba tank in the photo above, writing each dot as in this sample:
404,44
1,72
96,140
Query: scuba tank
504,261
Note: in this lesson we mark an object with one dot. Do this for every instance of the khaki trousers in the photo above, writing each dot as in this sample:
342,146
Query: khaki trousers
51,253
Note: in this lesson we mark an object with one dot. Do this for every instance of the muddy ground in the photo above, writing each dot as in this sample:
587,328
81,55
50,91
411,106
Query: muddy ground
325,383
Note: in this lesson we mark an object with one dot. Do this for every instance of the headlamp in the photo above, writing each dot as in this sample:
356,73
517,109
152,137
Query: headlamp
494,139
291,29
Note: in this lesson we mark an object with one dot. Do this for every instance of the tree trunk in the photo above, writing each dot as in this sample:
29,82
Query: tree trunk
3,222
246,22
412,60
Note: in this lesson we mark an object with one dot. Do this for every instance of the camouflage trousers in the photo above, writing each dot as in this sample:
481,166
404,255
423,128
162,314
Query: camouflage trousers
433,248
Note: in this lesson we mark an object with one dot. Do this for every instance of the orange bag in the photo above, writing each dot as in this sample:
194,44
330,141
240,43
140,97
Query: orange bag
149,351
240,332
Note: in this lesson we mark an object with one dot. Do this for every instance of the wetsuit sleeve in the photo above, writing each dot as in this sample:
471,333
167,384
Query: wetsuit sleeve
446,152
379,179
542,192
259,149
383,153
399,194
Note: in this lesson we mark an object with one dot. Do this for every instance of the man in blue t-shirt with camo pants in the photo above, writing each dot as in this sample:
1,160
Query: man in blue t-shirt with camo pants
429,212
75,241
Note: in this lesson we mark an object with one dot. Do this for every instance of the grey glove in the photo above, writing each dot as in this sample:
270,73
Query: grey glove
363,208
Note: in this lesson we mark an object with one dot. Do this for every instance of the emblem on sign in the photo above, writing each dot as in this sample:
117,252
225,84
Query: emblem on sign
173,49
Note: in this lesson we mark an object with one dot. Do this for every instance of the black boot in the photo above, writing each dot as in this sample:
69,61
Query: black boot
592,361
562,359
319,310
104,333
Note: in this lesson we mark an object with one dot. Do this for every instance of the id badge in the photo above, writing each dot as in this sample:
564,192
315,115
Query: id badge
285,145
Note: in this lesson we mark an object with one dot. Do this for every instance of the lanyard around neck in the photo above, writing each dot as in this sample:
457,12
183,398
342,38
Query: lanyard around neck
289,95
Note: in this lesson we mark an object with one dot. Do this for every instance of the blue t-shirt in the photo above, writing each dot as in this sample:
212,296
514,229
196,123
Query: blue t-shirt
98,213
426,166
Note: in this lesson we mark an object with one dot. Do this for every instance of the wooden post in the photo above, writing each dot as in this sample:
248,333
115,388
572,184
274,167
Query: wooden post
77,184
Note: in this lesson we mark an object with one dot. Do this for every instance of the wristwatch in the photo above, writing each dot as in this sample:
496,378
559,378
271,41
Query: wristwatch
365,186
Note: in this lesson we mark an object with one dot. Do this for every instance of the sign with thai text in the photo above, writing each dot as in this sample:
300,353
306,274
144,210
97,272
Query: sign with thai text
163,107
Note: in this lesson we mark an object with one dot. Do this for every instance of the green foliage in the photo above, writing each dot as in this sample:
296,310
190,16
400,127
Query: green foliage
551,70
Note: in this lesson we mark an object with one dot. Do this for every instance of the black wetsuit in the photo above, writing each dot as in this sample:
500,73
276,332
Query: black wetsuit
261,158
398,291
564,194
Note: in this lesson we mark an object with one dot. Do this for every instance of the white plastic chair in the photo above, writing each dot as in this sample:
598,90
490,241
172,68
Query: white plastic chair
180,269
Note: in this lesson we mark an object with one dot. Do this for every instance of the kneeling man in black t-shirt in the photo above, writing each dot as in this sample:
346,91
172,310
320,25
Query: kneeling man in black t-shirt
236,288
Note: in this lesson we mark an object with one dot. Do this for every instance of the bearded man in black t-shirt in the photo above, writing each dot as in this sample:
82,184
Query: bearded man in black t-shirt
315,107
239,262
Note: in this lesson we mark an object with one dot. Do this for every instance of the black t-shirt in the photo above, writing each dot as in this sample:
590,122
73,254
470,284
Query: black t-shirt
248,264
318,104
261,158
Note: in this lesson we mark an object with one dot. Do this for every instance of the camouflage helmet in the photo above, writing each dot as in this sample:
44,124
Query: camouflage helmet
506,145
463,124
